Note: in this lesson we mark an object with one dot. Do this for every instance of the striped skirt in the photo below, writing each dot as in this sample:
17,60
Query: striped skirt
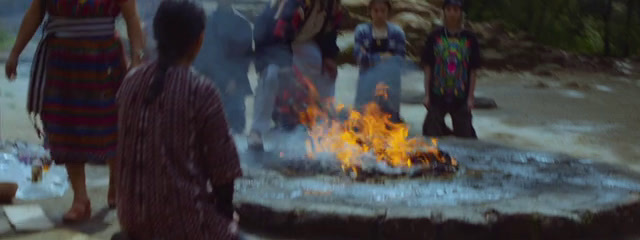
79,113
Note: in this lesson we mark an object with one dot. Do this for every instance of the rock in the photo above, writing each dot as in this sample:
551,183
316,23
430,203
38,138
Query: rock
5,225
413,23
557,57
359,7
624,67
546,69
539,84
424,9
352,20
28,218
484,103
577,86
493,59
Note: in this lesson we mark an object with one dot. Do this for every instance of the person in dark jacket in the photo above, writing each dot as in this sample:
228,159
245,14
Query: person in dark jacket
226,57
450,59
298,34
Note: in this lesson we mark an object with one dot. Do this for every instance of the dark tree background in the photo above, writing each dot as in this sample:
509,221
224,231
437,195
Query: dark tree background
602,27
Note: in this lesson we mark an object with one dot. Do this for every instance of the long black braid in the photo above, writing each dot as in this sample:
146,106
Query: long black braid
177,26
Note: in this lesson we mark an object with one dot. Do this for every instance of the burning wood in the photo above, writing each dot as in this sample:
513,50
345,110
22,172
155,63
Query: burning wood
370,131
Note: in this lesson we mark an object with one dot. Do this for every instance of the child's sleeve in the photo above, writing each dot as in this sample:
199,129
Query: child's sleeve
400,48
360,49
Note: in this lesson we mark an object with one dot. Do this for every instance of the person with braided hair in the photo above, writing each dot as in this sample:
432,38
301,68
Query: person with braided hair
176,158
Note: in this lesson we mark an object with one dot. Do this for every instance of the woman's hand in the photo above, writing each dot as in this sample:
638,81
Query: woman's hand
470,102
426,102
233,227
10,68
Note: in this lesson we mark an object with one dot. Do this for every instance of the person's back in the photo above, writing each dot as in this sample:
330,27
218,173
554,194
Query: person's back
174,142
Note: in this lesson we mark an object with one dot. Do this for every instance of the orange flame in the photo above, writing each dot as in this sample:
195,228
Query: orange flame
365,132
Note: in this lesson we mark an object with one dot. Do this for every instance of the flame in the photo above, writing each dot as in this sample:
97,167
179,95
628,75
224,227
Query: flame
369,131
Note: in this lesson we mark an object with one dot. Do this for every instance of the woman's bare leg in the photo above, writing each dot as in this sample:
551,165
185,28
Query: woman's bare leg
81,207
111,195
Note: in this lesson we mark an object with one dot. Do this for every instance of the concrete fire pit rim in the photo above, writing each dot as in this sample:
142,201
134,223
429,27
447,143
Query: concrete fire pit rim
481,214
270,209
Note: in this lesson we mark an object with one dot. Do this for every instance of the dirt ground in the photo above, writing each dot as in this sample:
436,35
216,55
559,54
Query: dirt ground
592,116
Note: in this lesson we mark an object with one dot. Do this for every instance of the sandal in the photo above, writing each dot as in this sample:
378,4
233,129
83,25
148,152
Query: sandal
255,141
111,199
111,203
78,214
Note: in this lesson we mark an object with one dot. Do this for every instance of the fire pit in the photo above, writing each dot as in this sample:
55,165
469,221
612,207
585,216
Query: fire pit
357,174
496,193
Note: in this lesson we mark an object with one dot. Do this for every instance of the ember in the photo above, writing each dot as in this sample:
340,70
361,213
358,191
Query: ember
367,140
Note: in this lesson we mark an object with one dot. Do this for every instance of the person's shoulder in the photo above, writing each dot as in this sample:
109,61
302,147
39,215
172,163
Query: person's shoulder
201,82
132,81
395,27
396,30
362,27
241,16
137,71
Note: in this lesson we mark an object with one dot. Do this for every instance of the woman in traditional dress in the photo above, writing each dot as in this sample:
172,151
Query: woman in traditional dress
76,72
176,159
380,50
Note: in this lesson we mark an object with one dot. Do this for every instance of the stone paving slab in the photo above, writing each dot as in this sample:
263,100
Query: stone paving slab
28,217
5,225
58,234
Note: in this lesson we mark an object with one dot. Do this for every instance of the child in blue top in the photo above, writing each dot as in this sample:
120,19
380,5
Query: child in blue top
379,51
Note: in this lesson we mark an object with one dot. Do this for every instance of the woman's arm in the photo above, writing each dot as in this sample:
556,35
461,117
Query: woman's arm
224,199
134,30
30,23
220,161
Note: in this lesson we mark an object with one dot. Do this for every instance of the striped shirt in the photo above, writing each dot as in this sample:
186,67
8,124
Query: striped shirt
170,153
